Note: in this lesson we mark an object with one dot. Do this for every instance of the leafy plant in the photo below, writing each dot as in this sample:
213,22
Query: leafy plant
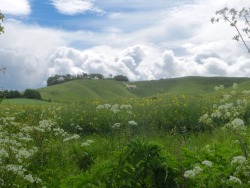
140,165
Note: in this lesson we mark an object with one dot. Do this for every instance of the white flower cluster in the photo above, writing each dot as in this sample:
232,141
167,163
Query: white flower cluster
235,85
206,119
87,143
226,112
73,137
192,173
116,125
217,88
207,163
234,180
246,92
132,122
238,160
21,171
115,108
17,148
242,166
236,125
197,170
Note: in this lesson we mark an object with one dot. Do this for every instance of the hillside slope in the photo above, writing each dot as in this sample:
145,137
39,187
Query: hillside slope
81,90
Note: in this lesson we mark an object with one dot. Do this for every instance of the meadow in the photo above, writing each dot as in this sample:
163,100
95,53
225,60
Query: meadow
168,139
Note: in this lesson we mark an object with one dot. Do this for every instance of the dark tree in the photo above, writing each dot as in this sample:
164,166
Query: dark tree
96,75
57,79
32,94
121,78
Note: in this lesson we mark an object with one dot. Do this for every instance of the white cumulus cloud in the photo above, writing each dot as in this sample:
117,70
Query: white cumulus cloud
15,7
71,7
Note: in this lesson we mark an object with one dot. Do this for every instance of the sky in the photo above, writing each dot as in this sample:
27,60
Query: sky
141,39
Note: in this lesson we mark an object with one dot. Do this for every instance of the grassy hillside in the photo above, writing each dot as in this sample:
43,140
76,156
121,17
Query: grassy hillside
187,85
81,90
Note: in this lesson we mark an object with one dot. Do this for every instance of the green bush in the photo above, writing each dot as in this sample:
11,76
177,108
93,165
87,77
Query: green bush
32,94
140,165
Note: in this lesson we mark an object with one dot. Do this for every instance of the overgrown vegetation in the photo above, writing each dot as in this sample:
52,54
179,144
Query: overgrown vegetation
177,141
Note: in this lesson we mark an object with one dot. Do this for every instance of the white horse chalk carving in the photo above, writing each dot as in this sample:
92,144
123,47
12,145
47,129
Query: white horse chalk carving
130,86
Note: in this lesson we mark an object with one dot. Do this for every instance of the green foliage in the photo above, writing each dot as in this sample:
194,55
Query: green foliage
96,76
32,94
10,94
89,144
121,78
58,79
140,165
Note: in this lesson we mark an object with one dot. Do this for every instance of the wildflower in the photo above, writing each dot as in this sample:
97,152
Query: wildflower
234,179
129,112
115,108
197,170
3,153
234,85
226,97
99,107
192,173
246,92
207,163
107,106
228,114
87,143
116,125
206,119
238,124
189,174
73,137
233,92
132,122
238,160
29,178
123,106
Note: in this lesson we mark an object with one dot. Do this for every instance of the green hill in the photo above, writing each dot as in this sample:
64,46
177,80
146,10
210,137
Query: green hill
82,90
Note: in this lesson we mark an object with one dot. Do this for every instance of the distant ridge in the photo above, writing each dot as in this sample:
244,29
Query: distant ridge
81,90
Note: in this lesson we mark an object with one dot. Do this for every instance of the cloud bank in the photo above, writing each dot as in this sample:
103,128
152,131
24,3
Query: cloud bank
174,43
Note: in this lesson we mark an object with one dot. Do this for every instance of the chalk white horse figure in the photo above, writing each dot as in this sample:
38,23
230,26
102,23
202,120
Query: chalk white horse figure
130,86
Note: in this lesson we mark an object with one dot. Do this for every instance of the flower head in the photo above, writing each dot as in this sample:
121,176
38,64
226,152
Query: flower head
207,163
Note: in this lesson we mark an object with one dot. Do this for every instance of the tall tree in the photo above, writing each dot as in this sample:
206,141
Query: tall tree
239,20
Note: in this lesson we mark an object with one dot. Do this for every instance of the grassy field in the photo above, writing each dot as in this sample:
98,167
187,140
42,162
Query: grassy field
24,101
188,135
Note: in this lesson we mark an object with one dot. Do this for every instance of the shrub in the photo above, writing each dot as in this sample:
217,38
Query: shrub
32,94
140,165
121,78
